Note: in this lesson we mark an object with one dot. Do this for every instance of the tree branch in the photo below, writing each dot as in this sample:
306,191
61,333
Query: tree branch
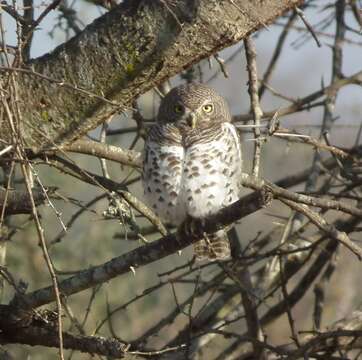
18,202
40,335
125,157
147,253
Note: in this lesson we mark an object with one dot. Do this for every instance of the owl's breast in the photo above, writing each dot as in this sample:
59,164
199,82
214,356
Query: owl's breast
196,176
212,172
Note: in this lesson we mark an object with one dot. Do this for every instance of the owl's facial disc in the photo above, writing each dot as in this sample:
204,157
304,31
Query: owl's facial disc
186,116
195,115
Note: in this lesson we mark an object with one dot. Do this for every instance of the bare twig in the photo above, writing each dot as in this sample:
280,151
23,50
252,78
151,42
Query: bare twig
254,100
319,292
328,228
276,54
308,26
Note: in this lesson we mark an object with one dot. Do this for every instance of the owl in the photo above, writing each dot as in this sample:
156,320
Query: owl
192,162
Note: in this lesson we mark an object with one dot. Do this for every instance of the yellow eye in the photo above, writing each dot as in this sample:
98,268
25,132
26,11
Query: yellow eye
208,108
179,109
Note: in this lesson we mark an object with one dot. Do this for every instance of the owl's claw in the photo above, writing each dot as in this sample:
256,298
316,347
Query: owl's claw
193,227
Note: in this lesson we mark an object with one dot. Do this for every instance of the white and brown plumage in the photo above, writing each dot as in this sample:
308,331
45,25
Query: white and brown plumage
192,165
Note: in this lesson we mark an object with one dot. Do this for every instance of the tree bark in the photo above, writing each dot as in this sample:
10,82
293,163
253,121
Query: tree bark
18,202
121,55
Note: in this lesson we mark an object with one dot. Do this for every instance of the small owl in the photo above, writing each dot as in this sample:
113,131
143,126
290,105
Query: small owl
192,162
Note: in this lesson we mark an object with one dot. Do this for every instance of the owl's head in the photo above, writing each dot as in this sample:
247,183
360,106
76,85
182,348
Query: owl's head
193,106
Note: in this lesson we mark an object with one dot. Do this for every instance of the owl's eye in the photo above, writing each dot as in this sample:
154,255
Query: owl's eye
208,108
179,109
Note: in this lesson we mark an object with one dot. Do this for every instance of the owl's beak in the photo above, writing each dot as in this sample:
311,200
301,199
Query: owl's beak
191,120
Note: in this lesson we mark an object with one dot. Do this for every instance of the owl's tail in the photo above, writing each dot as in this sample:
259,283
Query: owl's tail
213,247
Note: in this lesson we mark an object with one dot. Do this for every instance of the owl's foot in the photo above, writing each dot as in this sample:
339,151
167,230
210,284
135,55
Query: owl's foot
210,247
193,227
213,247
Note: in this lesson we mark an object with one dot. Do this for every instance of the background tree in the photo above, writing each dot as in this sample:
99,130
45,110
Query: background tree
87,268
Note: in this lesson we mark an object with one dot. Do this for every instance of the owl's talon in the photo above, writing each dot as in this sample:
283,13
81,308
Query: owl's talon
193,227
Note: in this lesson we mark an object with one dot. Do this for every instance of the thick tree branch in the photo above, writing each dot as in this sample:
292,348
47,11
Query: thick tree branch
124,53
40,335
106,151
18,202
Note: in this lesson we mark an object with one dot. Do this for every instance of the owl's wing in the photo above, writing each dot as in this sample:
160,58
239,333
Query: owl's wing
235,148
162,174
163,144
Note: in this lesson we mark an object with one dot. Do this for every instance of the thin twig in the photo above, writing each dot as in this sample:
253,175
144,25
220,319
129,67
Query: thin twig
322,224
250,53
276,54
308,26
